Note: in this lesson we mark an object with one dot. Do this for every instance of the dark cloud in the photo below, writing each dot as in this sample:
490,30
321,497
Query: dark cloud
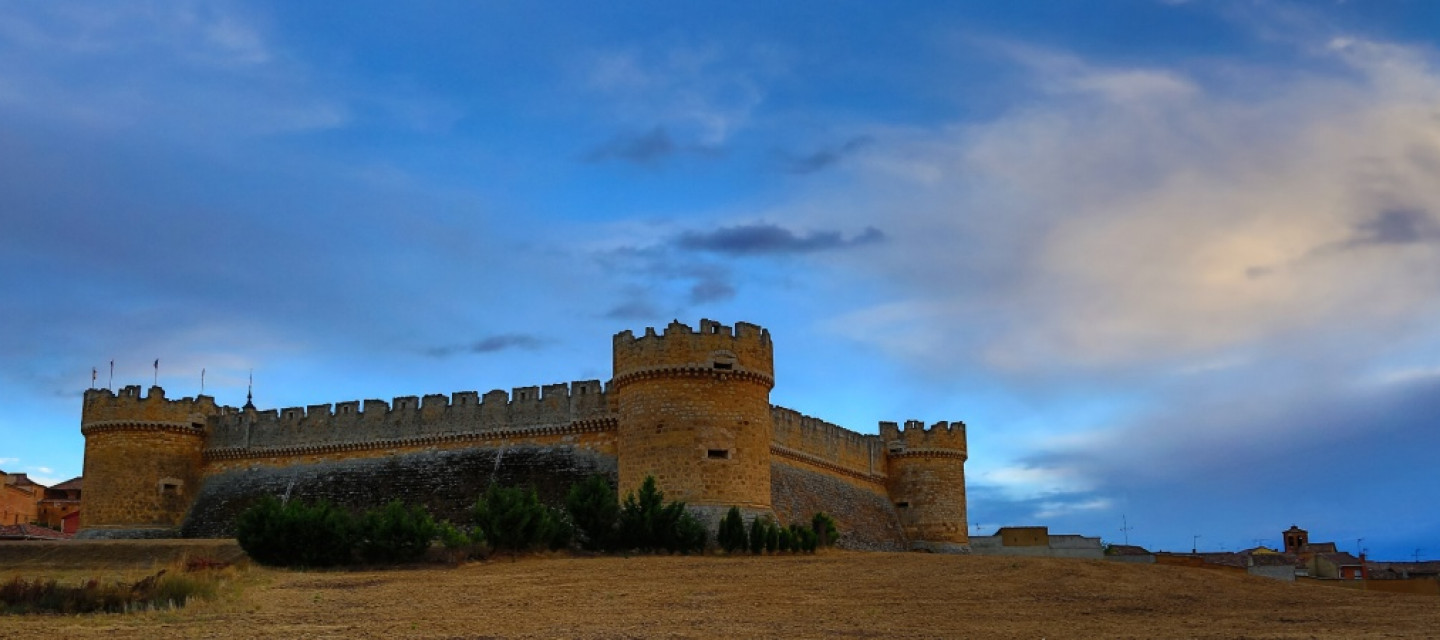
645,149
711,290
769,239
1396,226
633,310
490,344
1391,227
803,164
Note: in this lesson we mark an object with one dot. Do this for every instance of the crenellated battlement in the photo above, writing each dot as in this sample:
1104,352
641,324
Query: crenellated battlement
745,348
817,442
129,406
917,439
410,416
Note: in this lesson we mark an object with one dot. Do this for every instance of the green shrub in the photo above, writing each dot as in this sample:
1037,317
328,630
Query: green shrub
395,533
690,534
806,537
461,544
730,535
772,537
296,534
648,524
758,533
595,511
513,519
824,527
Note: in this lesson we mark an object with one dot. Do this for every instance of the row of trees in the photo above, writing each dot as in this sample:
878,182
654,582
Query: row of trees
767,536
510,520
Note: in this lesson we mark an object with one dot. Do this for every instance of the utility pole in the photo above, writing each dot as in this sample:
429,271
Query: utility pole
1125,528
1195,543
1358,550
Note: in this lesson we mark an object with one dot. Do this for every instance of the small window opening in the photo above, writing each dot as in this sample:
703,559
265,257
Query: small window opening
718,454
902,505
169,488
197,425
724,366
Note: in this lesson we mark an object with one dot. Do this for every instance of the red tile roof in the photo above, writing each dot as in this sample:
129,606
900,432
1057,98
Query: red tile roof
30,532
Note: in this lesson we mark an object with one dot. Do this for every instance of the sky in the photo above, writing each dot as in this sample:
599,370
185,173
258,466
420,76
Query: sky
1174,263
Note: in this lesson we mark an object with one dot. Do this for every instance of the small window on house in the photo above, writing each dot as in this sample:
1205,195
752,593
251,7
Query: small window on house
724,366
169,487
718,454
902,505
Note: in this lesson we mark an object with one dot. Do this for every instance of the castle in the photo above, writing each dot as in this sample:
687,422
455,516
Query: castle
689,407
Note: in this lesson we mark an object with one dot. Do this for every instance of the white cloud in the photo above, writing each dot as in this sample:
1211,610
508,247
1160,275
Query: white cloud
1139,217
706,93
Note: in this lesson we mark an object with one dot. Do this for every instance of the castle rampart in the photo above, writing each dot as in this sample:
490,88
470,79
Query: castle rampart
689,407
802,439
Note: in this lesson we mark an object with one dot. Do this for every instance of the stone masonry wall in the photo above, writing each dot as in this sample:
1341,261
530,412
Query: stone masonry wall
865,518
446,482
693,408
139,476
826,444
594,436
465,412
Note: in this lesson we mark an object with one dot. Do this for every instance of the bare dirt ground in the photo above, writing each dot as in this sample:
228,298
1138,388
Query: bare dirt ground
832,595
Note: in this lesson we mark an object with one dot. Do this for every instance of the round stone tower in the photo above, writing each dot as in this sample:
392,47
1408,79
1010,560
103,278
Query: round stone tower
142,461
694,412
926,482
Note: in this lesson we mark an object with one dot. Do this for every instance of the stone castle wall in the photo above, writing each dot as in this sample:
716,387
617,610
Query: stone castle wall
410,417
690,407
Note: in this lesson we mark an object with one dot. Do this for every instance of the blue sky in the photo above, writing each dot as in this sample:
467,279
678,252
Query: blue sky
1173,262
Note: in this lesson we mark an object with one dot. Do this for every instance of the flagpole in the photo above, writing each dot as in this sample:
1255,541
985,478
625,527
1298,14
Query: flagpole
157,373
202,381
110,384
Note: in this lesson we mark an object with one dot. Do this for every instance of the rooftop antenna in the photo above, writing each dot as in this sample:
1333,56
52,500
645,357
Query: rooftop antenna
249,390
110,384
1359,550
93,373
202,381
157,373
1125,528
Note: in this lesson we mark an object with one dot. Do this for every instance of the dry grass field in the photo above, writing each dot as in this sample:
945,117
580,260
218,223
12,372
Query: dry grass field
831,595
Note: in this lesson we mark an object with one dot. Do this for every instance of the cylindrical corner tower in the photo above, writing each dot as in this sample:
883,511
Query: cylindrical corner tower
694,412
142,462
926,481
